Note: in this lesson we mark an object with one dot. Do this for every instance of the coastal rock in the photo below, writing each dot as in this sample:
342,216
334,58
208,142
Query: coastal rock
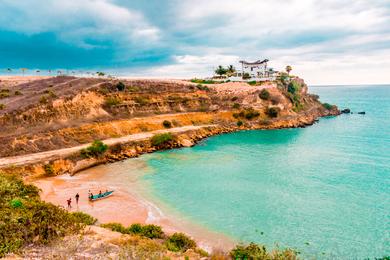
362,113
345,111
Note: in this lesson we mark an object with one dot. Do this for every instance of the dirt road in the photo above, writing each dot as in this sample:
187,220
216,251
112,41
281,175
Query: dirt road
55,154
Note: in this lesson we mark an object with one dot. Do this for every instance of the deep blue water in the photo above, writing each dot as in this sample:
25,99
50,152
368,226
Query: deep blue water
324,190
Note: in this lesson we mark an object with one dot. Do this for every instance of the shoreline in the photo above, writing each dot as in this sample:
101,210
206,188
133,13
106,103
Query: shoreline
133,201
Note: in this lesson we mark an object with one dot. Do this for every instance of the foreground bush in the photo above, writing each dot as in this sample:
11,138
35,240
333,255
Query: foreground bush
160,139
84,218
254,251
179,242
25,219
149,231
96,149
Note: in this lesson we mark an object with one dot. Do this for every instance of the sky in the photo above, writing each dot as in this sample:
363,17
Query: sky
325,41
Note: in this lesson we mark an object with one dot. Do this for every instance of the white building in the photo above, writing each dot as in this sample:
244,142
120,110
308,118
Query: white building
257,70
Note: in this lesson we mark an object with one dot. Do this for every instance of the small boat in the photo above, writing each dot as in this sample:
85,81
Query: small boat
101,196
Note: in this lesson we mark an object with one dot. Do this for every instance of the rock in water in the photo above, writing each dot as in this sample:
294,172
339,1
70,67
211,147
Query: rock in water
362,113
346,111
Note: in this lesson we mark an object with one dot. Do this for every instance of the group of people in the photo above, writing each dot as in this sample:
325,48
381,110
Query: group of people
69,201
77,197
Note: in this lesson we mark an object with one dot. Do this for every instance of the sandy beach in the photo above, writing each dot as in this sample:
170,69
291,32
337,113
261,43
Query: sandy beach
129,204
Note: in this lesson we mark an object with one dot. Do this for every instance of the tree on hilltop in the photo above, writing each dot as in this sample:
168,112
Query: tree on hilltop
288,69
220,71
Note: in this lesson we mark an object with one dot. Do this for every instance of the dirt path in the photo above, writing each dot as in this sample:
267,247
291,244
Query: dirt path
55,154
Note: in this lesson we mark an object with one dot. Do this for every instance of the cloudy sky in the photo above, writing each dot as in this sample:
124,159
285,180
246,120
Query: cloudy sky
325,41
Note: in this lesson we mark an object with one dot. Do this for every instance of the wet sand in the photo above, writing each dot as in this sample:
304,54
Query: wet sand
130,203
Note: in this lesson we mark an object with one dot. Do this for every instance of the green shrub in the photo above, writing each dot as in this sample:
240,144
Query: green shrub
251,113
132,89
96,149
16,203
254,251
141,100
327,106
112,101
160,139
43,100
167,124
135,229
116,227
152,231
264,94
239,123
201,87
25,219
82,217
120,86
293,87
272,112
234,98
2,106
179,242
236,106
49,170
4,95
18,93
252,83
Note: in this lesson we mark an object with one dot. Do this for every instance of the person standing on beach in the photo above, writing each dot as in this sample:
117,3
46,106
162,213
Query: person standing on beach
77,198
69,203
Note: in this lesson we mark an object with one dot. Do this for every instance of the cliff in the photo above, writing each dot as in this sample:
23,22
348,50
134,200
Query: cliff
63,112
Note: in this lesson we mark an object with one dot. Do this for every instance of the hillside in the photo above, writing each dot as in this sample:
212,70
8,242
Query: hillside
60,112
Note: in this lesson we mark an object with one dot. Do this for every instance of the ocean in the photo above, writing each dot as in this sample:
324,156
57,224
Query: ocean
323,190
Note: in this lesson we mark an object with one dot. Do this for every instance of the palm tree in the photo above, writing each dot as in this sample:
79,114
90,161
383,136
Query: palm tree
220,71
23,70
288,69
231,70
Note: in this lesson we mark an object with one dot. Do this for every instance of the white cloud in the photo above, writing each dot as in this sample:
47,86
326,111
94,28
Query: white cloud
77,21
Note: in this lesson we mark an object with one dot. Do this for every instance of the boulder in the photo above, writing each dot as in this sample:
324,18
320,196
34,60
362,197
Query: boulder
346,111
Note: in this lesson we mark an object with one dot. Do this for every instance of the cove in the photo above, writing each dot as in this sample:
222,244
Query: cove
323,190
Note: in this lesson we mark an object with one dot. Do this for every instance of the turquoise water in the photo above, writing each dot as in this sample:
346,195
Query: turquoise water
324,190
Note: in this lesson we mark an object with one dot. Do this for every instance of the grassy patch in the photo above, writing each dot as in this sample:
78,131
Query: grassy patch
112,101
205,81
84,218
248,113
160,139
254,251
2,106
149,231
25,219
96,149
141,100
179,242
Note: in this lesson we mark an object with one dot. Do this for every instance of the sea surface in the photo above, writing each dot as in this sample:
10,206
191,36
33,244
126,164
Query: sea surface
323,190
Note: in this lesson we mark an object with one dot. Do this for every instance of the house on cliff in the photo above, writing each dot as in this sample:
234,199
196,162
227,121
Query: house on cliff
257,70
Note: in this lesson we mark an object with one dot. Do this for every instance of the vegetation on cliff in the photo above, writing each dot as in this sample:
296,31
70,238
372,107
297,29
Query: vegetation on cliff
96,149
160,139
25,219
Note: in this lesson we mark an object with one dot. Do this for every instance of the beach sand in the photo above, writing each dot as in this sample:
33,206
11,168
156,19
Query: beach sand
129,203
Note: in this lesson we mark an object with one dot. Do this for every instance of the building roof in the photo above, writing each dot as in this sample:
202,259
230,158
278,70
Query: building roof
258,62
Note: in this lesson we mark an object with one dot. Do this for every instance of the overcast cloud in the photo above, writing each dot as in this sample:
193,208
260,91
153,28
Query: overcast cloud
326,41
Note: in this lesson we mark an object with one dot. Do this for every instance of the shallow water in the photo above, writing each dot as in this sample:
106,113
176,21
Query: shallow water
323,190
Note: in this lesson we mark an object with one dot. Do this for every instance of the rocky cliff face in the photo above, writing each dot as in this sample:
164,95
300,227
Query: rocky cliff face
62,112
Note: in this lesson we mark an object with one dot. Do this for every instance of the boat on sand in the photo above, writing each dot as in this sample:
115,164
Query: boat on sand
100,196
